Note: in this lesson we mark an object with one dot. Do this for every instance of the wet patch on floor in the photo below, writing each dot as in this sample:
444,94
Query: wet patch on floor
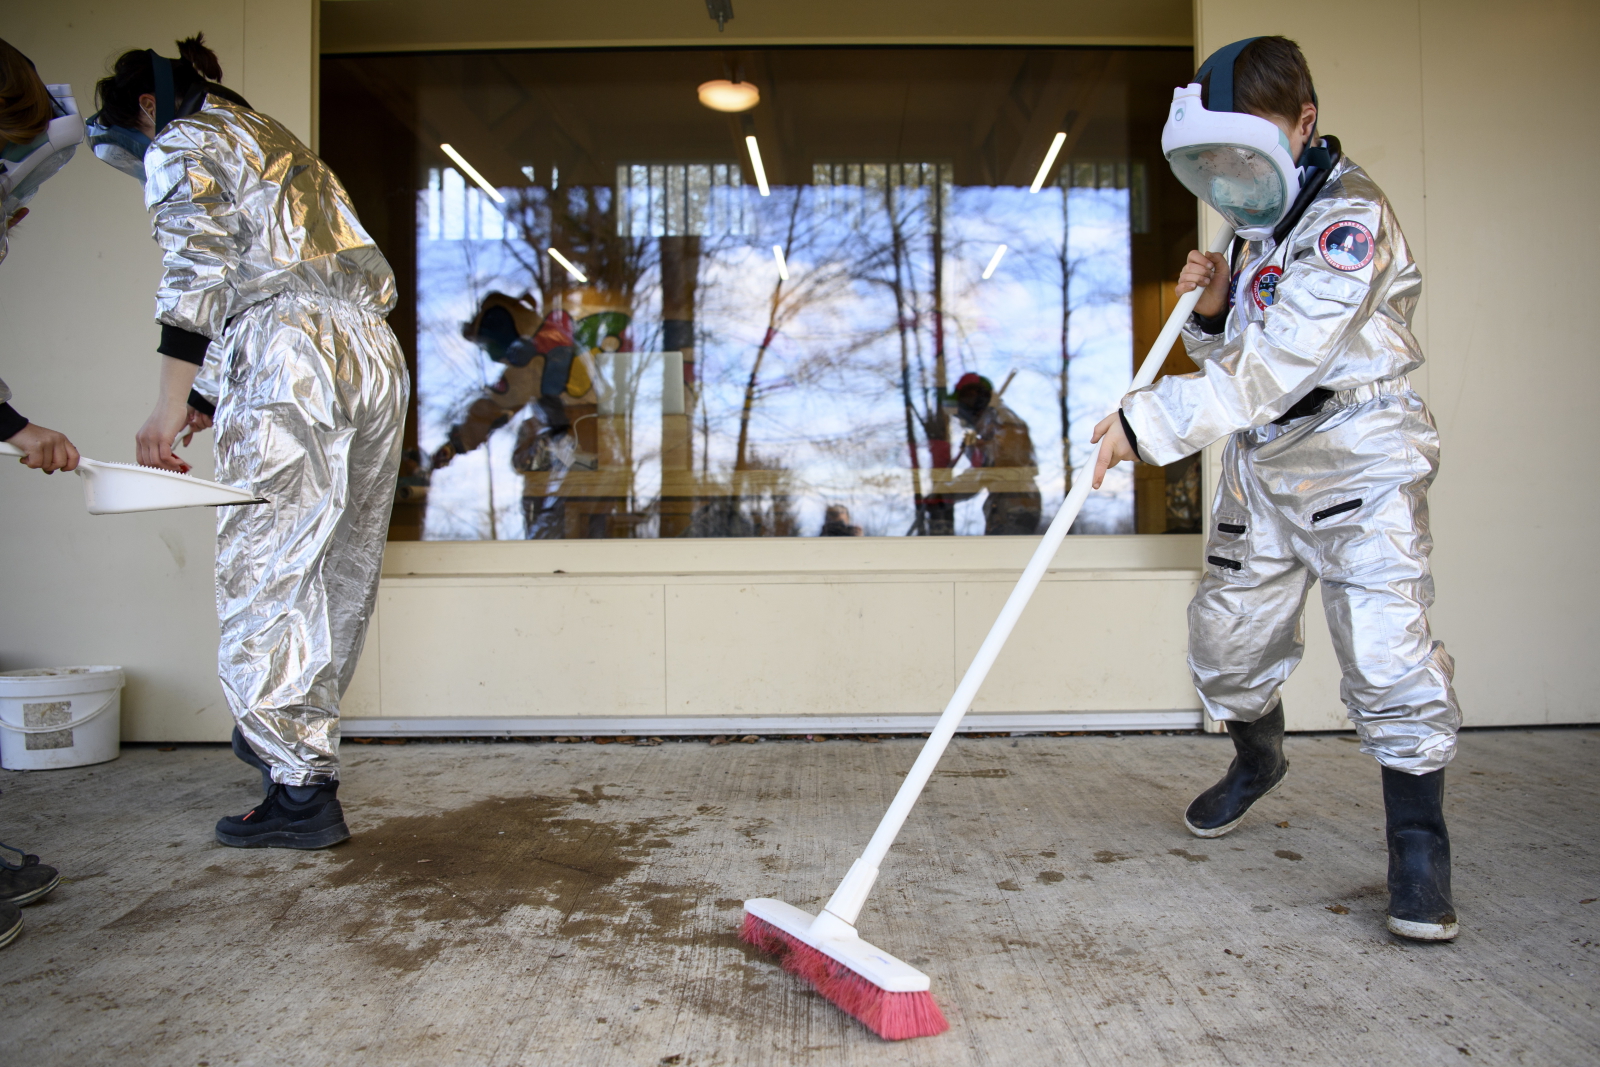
465,870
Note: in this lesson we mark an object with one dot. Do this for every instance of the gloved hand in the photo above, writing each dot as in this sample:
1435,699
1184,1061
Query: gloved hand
47,450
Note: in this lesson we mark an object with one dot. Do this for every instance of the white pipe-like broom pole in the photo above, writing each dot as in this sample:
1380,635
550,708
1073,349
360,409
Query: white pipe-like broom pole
848,899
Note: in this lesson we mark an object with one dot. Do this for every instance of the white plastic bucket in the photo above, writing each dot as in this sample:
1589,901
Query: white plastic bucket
52,717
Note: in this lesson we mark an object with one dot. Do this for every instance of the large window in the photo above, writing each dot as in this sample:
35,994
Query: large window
890,297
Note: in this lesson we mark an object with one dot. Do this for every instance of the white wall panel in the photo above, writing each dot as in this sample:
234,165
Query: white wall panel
519,648
1088,645
766,648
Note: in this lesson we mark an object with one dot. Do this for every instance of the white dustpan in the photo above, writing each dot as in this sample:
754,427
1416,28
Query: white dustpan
119,488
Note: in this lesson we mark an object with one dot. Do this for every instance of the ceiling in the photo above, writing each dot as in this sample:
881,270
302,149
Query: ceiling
444,25
990,113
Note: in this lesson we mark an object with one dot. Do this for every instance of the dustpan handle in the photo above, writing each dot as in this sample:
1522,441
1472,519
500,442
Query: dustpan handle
846,902
9,449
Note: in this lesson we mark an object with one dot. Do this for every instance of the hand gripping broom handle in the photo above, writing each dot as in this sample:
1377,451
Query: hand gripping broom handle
848,899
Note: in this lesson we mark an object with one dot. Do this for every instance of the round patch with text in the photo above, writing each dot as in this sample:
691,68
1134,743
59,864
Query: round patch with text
1264,290
1346,246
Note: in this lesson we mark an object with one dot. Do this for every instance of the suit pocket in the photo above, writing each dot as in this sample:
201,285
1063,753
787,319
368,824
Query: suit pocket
1349,548
1228,547
1223,642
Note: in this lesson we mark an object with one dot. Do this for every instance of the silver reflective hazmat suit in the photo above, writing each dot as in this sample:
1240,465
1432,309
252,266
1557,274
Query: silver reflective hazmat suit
1338,495
263,254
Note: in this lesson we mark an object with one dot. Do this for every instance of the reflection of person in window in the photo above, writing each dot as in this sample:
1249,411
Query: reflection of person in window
542,366
1000,450
836,522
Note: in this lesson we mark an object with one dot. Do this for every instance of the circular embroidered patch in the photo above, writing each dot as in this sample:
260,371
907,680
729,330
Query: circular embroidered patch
1264,290
1346,246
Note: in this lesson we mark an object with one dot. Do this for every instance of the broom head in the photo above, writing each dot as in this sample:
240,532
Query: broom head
890,996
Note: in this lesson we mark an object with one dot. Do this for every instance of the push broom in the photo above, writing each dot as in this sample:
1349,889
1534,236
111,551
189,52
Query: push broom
887,994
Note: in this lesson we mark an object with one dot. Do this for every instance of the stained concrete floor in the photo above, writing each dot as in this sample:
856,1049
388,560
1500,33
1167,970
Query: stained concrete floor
576,904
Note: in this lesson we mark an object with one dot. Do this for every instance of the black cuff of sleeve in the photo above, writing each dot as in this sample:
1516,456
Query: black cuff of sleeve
1127,428
1211,323
201,404
181,344
11,423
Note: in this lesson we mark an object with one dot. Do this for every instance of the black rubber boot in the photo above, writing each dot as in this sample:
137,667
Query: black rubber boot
25,880
242,749
280,822
1257,769
1419,856
10,923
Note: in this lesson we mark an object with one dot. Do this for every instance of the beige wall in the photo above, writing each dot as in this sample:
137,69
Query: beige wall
1441,101
1473,117
412,25
78,349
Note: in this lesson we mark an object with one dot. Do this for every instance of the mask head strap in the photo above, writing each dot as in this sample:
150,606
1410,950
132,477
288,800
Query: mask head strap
166,102
1315,156
1219,93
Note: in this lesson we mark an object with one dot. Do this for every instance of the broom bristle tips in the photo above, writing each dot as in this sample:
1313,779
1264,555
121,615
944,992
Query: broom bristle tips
894,1016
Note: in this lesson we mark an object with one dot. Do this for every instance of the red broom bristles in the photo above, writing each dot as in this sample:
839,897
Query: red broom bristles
895,1016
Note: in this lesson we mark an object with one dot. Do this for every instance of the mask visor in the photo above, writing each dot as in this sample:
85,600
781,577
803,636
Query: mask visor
119,146
1244,186
23,168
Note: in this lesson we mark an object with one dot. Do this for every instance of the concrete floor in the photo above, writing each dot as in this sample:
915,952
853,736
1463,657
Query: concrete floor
576,904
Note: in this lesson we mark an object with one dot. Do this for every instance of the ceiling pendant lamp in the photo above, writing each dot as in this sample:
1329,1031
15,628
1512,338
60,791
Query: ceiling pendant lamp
732,97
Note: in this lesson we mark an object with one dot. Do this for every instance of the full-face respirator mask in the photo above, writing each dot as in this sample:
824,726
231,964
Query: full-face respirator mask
25,167
1239,164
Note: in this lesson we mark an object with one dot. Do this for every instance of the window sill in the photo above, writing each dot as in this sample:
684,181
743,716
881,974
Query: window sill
1125,556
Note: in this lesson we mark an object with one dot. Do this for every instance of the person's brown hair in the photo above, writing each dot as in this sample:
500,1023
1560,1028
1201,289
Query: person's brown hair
25,108
1271,78
132,76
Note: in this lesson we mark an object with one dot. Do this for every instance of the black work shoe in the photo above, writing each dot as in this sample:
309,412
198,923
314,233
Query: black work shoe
27,882
10,923
242,749
1257,769
278,822
1419,856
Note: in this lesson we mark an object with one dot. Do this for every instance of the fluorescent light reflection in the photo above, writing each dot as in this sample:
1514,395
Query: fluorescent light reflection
994,261
783,266
472,172
755,162
567,263
1049,161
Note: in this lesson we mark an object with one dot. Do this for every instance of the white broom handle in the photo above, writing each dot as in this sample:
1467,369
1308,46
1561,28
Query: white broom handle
852,893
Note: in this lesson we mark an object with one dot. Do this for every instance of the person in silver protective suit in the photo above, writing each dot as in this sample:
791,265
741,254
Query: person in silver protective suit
270,282
1304,342
40,129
